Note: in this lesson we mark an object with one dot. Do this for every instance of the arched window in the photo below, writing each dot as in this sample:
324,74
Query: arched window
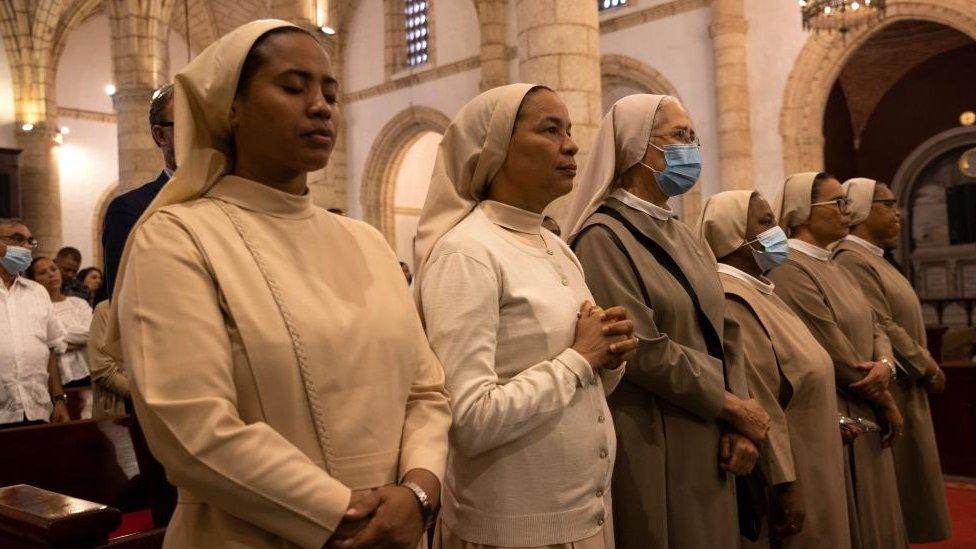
603,5
416,25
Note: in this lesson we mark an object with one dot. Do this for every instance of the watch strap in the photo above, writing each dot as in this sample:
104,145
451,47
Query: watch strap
426,509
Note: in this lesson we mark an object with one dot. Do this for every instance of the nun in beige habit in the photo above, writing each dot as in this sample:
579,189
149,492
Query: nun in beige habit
813,211
875,225
527,359
672,485
277,363
789,372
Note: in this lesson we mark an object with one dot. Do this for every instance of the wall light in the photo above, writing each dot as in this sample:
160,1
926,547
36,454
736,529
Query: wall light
65,130
327,30
110,89
967,118
27,127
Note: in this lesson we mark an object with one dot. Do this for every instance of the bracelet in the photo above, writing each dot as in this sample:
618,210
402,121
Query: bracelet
59,398
427,513
891,367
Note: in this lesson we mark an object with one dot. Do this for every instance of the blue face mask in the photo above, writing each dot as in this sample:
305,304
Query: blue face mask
17,259
683,166
775,249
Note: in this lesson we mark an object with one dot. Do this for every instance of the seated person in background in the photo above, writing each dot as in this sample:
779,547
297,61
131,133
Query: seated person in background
30,385
74,315
92,279
110,384
68,260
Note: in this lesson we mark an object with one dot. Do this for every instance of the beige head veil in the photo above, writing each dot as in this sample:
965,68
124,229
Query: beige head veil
620,143
204,91
470,154
792,203
722,224
860,191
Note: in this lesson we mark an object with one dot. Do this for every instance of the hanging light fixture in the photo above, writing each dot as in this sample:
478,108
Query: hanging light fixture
840,15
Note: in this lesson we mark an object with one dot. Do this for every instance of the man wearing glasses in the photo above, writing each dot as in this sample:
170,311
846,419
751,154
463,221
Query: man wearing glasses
30,338
125,209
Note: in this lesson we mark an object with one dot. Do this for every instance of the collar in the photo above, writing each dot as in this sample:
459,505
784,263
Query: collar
512,218
19,280
642,205
765,287
870,247
261,198
815,252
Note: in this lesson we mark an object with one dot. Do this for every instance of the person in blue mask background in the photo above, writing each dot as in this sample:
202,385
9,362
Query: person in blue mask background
669,491
789,373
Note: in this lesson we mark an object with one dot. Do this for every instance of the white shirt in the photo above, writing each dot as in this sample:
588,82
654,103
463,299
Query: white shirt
641,205
75,317
29,330
763,285
871,247
811,250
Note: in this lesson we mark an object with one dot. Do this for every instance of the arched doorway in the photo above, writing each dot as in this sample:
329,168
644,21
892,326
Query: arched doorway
824,57
411,180
384,160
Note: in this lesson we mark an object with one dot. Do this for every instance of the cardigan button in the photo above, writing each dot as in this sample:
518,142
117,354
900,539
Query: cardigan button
601,419
600,522
564,282
603,454
549,252
599,493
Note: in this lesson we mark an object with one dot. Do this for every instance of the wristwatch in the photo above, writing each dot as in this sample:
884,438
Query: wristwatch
894,371
59,398
427,513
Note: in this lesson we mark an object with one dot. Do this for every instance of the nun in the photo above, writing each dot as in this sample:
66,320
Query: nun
685,423
813,210
290,394
802,463
875,227
528,359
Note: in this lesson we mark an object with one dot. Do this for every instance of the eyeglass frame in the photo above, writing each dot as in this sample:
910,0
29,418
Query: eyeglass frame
164,124
683,141
842,203
18,239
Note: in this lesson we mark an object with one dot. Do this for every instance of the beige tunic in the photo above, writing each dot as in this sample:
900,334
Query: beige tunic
792,376
668,488
916,455
823,295
110,385
276,371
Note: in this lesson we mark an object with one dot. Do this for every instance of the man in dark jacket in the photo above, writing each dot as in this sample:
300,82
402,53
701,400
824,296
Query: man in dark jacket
125,209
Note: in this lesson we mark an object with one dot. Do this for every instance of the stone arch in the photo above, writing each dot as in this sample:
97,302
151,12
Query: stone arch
376,195
820,62
621,69
98,219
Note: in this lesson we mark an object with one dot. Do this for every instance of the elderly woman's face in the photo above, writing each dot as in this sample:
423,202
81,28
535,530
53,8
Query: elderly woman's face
675,127
283,120
540,154
830,222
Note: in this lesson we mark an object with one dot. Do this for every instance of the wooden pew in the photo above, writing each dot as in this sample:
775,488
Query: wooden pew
71,482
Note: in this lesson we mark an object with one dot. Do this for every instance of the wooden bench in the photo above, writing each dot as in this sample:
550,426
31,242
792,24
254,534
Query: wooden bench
69,485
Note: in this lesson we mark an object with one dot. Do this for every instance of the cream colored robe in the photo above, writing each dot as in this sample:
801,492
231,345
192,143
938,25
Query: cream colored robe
792,376
916,454
825,297
110,386
668,488
275,372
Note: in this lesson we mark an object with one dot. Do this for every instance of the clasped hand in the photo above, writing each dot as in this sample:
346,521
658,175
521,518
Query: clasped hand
384,517
604,337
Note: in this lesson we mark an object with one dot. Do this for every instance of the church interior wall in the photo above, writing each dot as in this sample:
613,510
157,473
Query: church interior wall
363,47
8,117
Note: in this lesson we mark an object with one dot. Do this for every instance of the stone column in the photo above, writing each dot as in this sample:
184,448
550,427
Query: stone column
40,184
140,160
559,46
728,32
493,16
140,62
328,186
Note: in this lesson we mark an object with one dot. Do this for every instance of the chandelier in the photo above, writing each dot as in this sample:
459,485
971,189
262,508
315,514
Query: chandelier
840,15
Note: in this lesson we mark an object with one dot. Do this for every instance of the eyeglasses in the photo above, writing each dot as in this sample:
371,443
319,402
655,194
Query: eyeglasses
682,135
842,203
890,202
18,239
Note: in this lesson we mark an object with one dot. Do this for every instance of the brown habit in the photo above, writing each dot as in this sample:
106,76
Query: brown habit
825,297
920,482
792,376
668,489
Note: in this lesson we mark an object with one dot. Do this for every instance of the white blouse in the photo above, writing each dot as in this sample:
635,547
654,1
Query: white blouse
75,317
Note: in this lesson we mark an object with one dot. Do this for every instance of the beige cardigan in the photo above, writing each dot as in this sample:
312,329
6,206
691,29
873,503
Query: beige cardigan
110,385
277,363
